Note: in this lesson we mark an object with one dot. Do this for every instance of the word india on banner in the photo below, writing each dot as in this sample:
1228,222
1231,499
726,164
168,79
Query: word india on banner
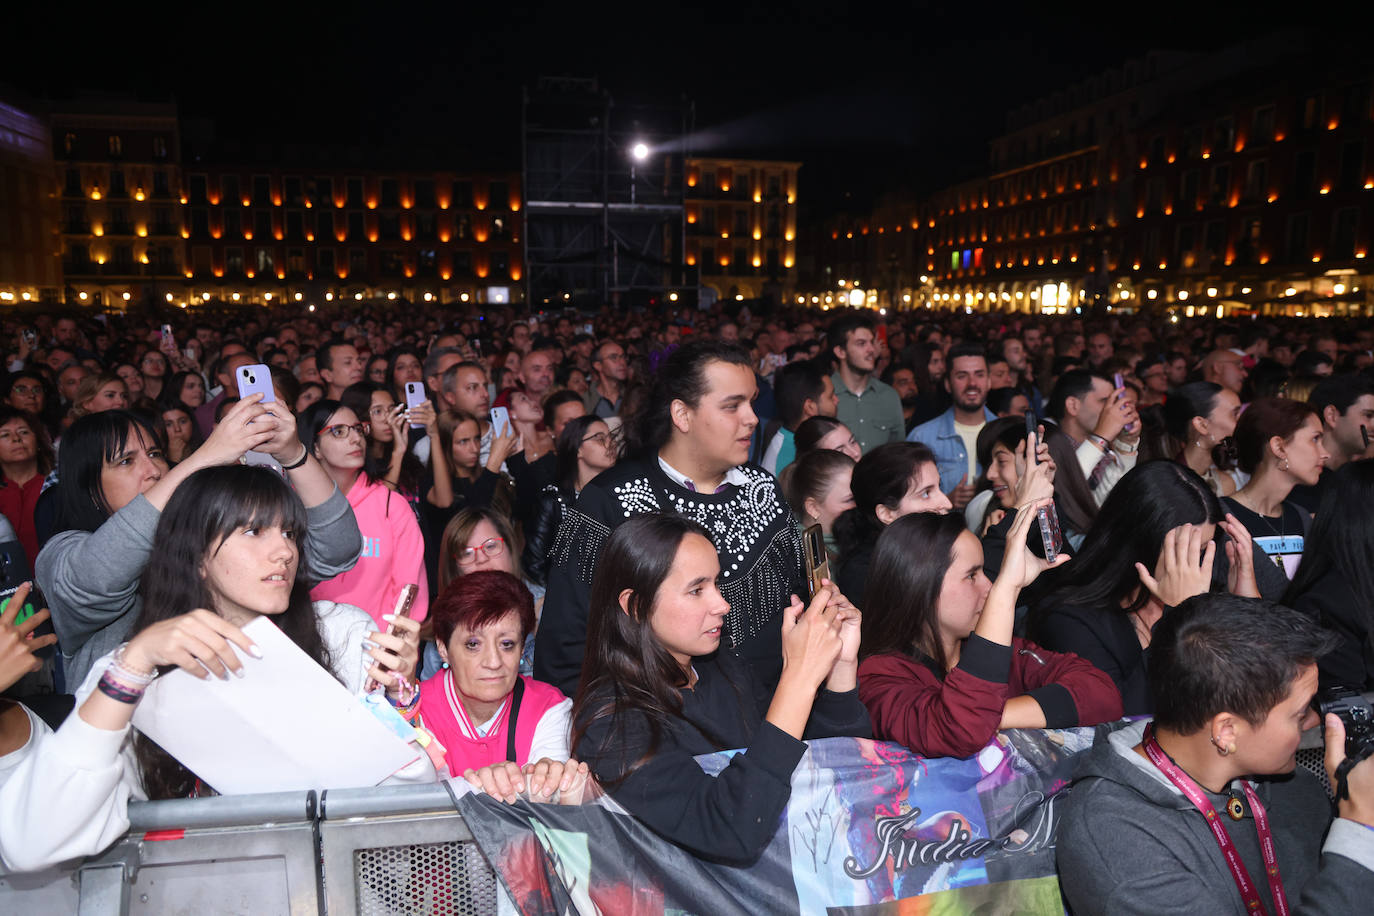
871,830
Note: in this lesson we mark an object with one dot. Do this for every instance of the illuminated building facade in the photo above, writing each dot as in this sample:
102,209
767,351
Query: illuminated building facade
1230,183
742,225
30,269
280,231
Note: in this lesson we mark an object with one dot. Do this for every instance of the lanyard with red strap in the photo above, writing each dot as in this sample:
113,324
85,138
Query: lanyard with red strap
1248,891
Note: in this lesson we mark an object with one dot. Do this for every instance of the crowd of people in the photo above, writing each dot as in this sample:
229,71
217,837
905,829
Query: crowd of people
1029,522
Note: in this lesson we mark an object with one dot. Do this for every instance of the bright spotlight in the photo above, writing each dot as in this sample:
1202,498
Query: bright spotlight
640,151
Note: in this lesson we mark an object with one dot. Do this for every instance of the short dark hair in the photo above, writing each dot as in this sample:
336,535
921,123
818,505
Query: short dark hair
1309,361
1340,392
324,356
963,350
557,400
1009,432
793,385
1222,653
90,442
1074,383
847,323
999,399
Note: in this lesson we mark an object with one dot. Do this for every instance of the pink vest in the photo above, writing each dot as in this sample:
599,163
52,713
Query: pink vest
437,702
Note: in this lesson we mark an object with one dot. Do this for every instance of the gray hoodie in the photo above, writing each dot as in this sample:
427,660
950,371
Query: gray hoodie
90,579
1131,843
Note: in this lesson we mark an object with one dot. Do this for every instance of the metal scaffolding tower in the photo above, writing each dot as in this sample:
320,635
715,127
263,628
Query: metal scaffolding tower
603,184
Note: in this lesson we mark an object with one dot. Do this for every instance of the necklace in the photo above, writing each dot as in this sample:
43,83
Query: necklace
1278,532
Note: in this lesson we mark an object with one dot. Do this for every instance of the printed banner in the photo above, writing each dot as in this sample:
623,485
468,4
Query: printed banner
871,830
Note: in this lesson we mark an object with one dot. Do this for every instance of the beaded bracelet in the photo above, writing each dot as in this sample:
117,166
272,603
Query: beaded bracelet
408,708
127,674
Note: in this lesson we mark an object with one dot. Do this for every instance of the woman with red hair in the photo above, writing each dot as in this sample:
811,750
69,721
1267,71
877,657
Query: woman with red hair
503,732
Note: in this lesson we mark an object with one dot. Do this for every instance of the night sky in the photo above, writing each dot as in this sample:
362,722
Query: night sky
868,97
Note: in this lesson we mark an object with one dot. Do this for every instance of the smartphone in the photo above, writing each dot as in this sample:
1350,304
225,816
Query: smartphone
1119,383
30,338
256,379
815,559
167,341
405,603
189,352
415,396
1051,538
500,421
588,328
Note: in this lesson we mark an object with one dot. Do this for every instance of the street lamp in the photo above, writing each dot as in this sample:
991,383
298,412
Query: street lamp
640,151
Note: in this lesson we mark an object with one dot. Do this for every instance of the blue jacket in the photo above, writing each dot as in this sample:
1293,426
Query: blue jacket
951,458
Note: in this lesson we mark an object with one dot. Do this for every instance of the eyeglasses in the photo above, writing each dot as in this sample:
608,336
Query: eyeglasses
492,547
605,438
27,389
341,430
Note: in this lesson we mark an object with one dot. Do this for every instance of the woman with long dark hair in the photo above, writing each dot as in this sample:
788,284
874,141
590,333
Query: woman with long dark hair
393,548
180,429
115,481
388,456
185,387
658,688
1200,418
893,480
940,670
584,448
827,433
1335,583
1103,604
228,546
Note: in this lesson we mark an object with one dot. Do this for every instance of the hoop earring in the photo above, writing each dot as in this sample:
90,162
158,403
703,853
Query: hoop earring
1222,749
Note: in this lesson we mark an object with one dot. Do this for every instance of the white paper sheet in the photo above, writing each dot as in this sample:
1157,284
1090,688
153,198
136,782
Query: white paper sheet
286,725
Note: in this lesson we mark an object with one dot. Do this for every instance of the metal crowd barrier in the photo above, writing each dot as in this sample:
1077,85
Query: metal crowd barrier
391,850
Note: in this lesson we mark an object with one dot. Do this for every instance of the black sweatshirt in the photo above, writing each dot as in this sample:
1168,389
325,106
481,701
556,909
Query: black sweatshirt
732,816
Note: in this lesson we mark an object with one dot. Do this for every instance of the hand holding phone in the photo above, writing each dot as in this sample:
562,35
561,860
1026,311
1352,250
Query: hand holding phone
415,396
1119,383
815,559
500,422
256,379
405,604
1051,538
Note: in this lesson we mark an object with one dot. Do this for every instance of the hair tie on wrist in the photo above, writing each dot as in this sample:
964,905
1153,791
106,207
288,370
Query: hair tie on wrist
305,453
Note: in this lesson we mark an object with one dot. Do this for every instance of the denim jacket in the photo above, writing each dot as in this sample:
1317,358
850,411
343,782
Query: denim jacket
951,458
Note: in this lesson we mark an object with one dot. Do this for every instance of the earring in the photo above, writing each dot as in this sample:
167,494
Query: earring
445,666
1223,749
1284,466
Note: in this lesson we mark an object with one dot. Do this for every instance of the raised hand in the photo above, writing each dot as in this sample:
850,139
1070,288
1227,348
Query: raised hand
1184,568
1240,552
396,656
17,642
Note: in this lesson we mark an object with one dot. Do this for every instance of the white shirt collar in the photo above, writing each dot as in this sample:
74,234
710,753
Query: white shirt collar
735,476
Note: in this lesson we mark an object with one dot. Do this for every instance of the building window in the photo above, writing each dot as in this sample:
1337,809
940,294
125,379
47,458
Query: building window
391,195
73,186
166,260
1295,239
116,145
426,262
1247,248
262,190
198,189
461,226
355,193
500,197
500,265
462,195
233,262
462,264
159,147
200,222
1311,111
1256,180
295,225
230,183
1305,172
233,222
1262,128
324,192
162,221
1352,165
117,187
324,225
389,227
1226,133
391,263
741,222
498,228
1221,184
266,266
357,261
424,193
160,188
69,143
295,262
262,223
1343,229
291,190
708,259
355,226
424,226
324,261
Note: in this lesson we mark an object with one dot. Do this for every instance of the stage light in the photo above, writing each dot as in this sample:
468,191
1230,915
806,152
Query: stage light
640,151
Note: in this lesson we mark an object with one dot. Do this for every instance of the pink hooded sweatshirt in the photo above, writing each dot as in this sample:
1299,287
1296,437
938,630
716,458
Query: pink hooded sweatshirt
393,555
